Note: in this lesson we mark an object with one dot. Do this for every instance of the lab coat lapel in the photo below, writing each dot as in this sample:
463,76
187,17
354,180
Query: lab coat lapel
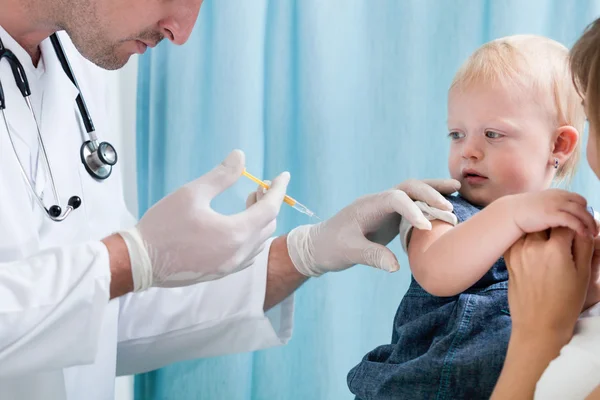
57,117
19,118
20,219
59,106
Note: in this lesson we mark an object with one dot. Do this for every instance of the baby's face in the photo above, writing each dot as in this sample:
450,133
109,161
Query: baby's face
501,142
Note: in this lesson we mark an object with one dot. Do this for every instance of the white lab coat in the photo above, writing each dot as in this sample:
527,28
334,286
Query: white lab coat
60,336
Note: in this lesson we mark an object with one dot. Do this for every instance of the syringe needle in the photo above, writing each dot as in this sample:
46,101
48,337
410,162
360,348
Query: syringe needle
303,209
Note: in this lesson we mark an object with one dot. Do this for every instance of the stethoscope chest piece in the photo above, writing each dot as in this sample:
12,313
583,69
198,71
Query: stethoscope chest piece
98,159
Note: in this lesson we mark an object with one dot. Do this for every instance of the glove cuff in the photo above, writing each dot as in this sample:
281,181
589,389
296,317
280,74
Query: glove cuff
141,265
301,251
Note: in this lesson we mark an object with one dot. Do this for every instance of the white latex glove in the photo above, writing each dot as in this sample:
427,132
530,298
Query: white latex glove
181,240
359,233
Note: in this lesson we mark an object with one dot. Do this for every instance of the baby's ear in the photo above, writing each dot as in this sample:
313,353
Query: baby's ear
565,143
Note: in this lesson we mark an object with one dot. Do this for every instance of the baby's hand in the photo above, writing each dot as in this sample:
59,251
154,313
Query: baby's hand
552,208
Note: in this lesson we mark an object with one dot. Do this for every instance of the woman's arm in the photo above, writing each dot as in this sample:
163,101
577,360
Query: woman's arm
595,395
526,360
548,278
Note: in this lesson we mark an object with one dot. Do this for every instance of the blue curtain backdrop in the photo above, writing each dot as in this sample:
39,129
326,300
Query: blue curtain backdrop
350,97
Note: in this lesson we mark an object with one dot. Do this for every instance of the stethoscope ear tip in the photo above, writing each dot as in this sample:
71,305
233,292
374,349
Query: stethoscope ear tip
55,211
75,202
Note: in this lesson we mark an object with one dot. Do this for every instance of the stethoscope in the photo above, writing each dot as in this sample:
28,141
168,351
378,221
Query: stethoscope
97,157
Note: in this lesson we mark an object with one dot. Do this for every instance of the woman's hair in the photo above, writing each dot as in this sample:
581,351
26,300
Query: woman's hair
531,65
585,67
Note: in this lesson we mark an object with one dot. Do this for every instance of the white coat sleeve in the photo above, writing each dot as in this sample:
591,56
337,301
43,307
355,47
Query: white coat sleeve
51,308
161,326
575,373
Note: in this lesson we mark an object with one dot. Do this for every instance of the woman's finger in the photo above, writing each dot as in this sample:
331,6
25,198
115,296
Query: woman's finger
513,252
583,249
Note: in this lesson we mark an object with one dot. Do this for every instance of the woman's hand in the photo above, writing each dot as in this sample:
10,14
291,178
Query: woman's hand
548,281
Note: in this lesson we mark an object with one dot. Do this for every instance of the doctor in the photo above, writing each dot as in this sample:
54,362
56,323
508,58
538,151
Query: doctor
85,292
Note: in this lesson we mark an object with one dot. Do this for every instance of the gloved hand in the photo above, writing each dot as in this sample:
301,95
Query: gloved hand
358,233
181,240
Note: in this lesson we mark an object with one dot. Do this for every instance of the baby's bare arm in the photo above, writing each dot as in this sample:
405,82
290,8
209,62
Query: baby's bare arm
448,260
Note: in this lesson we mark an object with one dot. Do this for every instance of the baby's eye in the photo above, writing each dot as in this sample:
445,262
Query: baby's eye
456,135
493,135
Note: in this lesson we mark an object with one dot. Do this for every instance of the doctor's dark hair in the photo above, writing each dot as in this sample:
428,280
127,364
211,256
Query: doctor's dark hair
532,66
585,66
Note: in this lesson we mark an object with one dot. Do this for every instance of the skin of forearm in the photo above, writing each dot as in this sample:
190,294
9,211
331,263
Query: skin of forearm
460,256
121,281
282,277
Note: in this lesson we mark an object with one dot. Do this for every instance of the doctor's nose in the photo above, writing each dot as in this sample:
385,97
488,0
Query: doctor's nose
178,28
176,32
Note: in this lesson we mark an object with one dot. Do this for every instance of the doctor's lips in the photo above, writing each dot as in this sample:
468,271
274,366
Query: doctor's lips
151,38
151,44
471,176
148,39
142,46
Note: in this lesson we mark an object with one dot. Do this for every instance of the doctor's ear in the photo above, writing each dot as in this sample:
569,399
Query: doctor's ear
566,145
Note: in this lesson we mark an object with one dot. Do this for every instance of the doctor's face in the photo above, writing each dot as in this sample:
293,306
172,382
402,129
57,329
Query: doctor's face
108,32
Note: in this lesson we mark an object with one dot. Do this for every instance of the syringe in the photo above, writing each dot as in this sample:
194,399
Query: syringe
287,199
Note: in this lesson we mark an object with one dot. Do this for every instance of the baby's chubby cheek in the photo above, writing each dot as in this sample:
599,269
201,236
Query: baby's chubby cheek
511,180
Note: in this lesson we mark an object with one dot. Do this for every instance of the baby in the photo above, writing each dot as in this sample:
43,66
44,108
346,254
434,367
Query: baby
514,119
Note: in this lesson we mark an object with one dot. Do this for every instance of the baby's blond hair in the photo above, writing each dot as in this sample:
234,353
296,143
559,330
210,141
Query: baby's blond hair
533,65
